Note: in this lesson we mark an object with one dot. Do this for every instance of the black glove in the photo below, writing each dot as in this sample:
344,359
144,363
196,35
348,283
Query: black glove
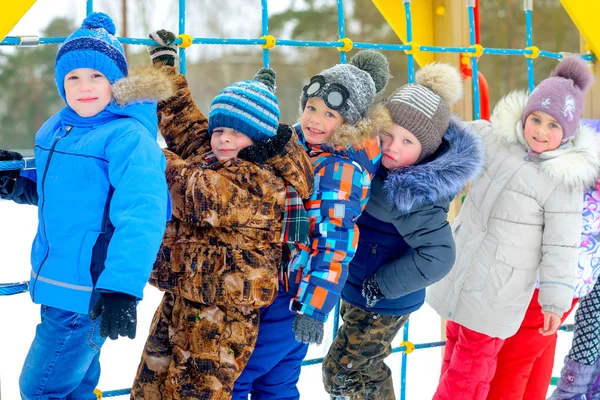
308,330
261,152
7,178
166,52
119,314
371,291
6,155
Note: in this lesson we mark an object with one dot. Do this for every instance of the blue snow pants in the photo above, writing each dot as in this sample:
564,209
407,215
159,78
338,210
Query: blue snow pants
274,367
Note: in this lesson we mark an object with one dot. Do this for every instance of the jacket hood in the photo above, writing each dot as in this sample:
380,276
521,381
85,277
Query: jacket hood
134,96
366,153
346,135
440,177
139,92
575,163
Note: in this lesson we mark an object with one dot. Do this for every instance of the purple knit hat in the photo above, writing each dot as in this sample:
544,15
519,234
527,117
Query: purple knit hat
561,95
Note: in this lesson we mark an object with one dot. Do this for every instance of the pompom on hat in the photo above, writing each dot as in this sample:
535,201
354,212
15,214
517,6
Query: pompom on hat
249,107
423,107
93,46
561,95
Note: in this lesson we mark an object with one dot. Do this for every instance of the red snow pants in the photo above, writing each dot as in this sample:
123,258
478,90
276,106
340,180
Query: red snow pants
525,362
469,364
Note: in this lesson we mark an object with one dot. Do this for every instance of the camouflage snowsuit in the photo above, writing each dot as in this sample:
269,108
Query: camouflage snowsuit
219,259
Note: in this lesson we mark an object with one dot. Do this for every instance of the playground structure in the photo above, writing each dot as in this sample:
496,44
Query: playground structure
430,30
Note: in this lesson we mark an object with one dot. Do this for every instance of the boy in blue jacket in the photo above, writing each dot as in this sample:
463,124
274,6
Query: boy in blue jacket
102,200
405,241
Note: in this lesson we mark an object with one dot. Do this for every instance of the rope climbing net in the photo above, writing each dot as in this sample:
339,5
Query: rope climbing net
267,42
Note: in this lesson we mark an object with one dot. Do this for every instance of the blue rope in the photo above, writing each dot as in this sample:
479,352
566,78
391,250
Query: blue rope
529,42
509,52
336,319
15,41
265,31
383,46
410,59
8,289
341,28
441,49
182,59
11,165
115,393
404,362
15,165
474,66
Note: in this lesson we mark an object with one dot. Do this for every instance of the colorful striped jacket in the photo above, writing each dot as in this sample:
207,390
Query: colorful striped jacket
318,272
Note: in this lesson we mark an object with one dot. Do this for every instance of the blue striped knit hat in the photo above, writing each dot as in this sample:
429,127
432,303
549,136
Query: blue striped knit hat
249,107
92,46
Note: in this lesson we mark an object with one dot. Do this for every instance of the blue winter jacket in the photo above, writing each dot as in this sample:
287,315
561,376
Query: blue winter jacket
102,201
405,239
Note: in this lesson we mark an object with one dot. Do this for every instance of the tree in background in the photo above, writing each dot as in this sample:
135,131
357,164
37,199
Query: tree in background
29,95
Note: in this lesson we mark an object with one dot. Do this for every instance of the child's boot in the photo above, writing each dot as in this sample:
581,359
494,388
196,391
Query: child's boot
575,381
594,386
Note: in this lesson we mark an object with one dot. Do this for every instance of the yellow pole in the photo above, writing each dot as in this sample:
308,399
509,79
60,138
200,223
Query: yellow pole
11,13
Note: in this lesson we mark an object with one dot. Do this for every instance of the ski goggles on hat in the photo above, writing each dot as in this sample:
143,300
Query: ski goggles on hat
335,95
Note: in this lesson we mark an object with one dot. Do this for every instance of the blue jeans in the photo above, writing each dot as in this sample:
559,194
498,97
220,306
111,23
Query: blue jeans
64,359
274,367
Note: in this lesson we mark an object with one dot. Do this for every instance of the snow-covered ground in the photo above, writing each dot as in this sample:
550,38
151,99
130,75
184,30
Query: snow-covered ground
18,318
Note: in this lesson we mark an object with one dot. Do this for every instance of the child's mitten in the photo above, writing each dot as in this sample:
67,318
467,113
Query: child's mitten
371,291
308,330
166,52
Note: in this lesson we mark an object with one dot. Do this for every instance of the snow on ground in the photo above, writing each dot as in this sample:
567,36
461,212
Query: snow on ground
19,317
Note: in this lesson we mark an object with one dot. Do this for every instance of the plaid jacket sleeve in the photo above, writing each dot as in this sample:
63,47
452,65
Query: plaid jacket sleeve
181,122
319,272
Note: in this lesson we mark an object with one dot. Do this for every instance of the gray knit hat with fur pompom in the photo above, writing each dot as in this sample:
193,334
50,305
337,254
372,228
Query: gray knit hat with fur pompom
363,77
423,107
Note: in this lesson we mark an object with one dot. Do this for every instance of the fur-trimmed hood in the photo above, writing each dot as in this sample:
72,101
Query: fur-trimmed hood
575,163
134,96
346,136
366,152
442,176
143,83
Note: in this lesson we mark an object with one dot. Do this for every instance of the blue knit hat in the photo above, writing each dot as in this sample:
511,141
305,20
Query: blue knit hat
249,107
92,46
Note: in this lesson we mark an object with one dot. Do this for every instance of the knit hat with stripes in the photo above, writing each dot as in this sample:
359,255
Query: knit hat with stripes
423,107
93,46
249,107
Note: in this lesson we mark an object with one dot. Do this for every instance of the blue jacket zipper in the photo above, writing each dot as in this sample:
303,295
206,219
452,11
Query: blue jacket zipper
68,129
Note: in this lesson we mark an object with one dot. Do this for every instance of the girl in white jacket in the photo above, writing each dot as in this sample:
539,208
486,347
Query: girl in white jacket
522,219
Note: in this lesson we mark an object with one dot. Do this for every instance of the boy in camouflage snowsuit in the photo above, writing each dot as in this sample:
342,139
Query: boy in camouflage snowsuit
219,259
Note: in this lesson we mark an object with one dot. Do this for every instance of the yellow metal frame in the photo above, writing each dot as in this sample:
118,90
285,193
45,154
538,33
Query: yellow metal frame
585,17
422,22
11,13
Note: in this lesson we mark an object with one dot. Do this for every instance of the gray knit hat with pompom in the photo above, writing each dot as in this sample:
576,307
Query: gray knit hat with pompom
350,88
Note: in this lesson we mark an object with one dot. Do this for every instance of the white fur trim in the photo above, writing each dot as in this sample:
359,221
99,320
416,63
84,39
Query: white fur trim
575,165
